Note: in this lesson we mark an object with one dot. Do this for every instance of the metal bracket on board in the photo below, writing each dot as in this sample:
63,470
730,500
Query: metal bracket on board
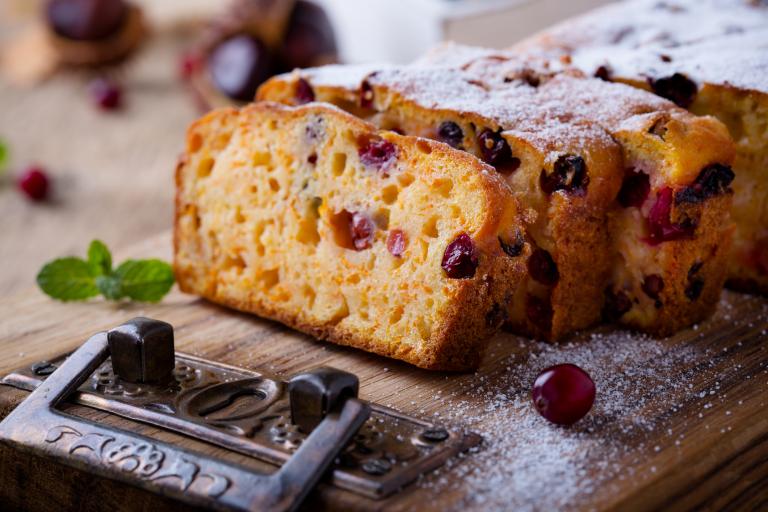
309,426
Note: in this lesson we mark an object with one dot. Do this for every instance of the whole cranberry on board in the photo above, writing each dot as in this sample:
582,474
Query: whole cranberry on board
563,393
34,183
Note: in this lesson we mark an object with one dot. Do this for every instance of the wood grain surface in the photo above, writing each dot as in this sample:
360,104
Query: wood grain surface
704,441
112,173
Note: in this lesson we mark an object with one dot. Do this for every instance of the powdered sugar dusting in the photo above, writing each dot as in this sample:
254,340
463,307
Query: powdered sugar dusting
527,463
516,108
342,76
561,97
532,99
719,42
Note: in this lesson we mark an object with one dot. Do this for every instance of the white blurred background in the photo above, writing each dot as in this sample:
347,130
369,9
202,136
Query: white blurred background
400,30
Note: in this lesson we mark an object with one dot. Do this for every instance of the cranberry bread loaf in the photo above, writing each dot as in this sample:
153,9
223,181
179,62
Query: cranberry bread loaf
677,175
647,180
394,244
709,56
570,258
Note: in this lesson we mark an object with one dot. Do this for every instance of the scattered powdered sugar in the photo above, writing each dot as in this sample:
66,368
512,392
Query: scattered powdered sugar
345,76
721,42
526,463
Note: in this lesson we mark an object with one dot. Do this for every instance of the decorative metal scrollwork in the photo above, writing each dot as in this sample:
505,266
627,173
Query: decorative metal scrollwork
248,412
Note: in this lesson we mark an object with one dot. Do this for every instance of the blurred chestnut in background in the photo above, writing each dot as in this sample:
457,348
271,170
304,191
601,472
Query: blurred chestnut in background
86,20
309,39
252,41
93,33
239,65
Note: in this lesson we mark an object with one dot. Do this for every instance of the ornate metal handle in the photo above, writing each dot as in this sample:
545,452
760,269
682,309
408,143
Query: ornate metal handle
37,426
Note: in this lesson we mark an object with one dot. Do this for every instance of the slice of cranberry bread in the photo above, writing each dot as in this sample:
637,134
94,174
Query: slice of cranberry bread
671,229
393,244
664,258
709,56
566,221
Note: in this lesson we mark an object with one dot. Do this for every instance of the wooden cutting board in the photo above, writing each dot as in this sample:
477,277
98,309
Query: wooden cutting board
679,424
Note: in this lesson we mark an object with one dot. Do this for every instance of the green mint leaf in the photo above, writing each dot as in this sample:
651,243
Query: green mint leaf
100,259
67,279
144,280
3,155
110,287
76,279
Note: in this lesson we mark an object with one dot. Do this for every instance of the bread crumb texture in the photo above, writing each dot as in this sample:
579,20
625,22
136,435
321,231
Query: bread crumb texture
314,218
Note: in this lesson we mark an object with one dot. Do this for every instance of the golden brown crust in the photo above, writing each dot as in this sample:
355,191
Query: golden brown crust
710,56
703,263
455,337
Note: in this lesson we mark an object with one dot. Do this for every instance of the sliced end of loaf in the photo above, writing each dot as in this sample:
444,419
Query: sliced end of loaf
314,218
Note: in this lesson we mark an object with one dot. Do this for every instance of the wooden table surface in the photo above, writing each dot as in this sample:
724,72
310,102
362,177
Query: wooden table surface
112,172
678,424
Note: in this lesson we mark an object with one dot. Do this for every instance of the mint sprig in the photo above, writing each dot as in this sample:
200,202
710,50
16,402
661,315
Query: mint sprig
71,279
68,279
3,156
99,258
